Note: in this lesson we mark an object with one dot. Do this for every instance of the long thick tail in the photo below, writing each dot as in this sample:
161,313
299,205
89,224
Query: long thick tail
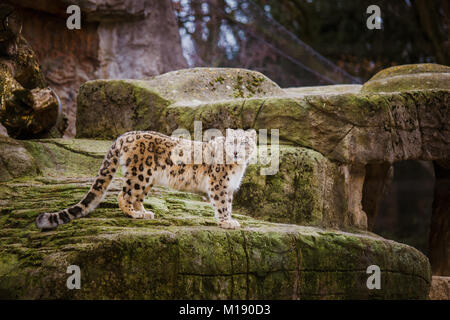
91,200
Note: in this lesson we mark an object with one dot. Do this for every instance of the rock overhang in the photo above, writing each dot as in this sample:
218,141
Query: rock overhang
346,123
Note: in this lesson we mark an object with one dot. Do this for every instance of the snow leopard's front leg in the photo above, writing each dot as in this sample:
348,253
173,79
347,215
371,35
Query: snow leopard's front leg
222,204
230,202
138,205
229,223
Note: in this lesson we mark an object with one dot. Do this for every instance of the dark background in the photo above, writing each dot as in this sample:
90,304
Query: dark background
272,35
322,42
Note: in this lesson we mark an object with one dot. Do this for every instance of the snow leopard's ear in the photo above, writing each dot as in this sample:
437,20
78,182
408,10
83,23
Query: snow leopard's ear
229,132
251,133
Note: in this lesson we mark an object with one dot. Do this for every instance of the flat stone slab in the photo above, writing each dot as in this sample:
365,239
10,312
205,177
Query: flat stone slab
324,90
409,77
183,255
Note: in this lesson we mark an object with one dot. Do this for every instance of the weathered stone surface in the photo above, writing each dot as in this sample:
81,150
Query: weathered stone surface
409,77
410,69
307,189
124,105
3,131
16,55
202,85
440,288
15,160
340,140
324,90
29,113
345,127
110,44
27,107
181,253
101,10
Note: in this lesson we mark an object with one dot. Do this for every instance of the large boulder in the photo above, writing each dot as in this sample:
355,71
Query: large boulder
360,127
113,42
181,254
304,226
307,189
27,108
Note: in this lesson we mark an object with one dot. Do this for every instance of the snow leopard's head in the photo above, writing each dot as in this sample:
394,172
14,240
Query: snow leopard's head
240,145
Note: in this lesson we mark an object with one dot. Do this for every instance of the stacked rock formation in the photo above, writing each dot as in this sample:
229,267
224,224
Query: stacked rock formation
305,228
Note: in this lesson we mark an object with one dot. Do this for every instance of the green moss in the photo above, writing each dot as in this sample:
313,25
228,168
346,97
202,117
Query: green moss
324,119
15,160
295,193
120,106
220,79
238,88
409,78
254,85
107,108
51,157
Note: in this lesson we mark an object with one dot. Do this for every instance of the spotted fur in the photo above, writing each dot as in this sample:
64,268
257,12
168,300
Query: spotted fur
149,158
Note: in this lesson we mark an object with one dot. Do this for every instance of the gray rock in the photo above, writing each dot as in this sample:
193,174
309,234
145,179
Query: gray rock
15,160
3,131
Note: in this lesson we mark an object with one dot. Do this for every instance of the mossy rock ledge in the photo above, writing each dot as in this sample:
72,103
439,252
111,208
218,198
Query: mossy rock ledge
346,123
181,254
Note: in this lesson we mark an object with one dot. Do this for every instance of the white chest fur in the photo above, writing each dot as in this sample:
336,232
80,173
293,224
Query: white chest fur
236,177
